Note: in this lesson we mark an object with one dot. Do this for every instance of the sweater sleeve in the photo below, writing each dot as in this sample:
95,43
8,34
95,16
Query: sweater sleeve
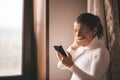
98,68
81,74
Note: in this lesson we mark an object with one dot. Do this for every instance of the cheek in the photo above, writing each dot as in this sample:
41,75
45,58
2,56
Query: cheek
74,33
88,37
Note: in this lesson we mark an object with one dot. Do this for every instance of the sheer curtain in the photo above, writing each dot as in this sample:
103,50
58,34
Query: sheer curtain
108,11
97,7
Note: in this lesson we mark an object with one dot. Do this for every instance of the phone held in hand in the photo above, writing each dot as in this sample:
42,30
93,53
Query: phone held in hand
60,49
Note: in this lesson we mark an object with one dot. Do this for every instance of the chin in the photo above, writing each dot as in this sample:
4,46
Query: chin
78,41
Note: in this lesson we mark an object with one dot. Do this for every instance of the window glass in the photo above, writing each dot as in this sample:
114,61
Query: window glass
11,37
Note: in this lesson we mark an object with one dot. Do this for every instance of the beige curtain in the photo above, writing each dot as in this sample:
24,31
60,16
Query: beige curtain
97,8
40,36
113,28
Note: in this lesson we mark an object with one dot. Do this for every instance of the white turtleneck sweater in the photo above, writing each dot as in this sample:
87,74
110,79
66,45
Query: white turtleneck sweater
90,63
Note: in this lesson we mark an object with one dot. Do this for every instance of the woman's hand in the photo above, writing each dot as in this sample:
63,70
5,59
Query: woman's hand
75,44
67,61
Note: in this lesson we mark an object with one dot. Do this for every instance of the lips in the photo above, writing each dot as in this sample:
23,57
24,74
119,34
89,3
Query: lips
79,38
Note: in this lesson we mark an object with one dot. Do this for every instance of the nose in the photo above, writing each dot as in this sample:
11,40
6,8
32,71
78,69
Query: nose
78,34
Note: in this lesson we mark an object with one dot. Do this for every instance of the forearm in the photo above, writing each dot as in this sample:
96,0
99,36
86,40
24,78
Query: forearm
81,74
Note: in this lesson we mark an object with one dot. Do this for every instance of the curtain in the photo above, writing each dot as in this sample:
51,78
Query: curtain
96,7
40,36
113,28
108,11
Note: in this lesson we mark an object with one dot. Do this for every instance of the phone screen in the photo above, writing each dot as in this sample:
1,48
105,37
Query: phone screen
60,49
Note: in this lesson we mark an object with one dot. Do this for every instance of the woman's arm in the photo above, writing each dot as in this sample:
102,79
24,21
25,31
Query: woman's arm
81,74
100,63
67,61
99,66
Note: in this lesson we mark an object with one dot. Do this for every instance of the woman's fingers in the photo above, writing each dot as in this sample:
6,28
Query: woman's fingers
69,55
67,61
59,56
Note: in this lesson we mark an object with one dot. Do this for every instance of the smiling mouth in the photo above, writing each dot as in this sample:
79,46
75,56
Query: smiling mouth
80,38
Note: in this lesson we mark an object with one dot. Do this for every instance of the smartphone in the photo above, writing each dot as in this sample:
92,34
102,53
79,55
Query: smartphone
60,49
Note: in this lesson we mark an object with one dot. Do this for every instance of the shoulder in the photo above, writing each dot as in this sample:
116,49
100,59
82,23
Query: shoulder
101,53
101,50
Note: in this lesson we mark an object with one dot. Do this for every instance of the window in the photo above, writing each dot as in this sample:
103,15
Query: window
11,37
17,44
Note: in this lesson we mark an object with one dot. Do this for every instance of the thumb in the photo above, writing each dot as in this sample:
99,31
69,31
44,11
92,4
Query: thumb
69,55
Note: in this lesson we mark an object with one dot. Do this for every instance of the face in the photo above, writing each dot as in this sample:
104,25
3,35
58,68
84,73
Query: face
82,34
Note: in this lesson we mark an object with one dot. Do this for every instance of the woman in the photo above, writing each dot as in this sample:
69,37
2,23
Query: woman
87,58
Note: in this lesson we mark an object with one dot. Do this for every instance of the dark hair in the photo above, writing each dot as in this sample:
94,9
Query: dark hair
91,21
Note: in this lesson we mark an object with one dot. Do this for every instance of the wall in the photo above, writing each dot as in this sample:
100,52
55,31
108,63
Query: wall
62,15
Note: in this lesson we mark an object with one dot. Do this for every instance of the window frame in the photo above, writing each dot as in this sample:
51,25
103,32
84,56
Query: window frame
29,59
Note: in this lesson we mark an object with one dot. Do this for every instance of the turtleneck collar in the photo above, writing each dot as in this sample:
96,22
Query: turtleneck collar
93,44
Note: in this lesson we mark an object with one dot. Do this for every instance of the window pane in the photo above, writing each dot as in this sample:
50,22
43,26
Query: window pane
11,37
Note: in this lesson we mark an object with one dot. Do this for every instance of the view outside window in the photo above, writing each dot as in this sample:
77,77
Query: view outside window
11,37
